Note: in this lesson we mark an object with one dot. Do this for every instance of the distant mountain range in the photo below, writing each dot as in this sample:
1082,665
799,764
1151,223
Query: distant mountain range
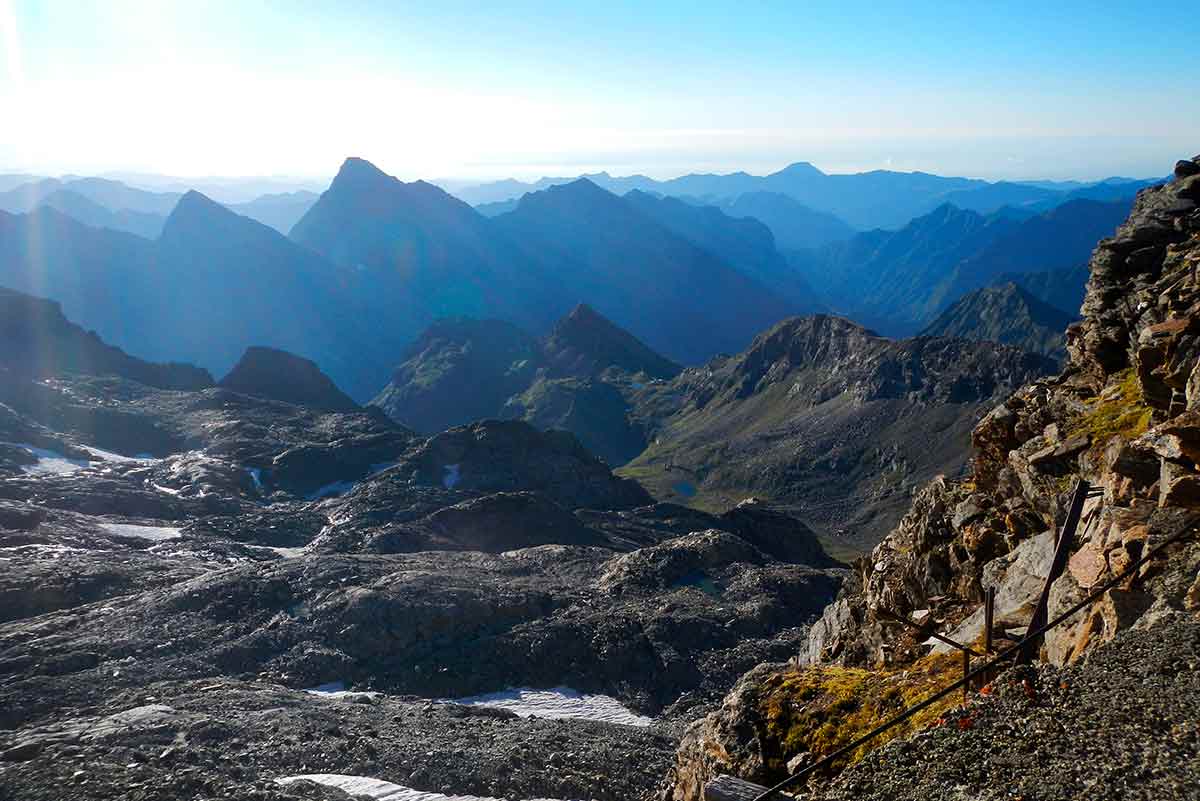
105,203
375,260
899,281
865,201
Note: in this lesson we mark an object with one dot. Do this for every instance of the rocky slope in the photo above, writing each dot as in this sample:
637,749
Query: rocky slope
179,566
1122,415
827,417
581,378
1006,314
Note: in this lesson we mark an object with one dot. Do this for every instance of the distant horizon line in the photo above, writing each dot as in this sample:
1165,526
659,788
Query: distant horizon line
164,179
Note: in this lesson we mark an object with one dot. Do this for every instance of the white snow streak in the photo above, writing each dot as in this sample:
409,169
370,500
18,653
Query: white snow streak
452,477
156,533
560,702
379,789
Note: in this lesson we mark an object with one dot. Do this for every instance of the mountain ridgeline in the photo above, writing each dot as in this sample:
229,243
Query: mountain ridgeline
374,261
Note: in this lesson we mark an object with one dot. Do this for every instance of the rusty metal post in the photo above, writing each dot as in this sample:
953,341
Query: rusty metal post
989,619
1062,550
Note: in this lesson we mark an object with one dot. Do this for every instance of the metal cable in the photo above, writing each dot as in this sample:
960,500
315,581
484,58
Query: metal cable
967,678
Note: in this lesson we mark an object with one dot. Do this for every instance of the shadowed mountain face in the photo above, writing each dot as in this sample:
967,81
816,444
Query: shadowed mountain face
680,299
424,254
900,281
580,378
1063,289
744,243
826,416
1006,314
37,341
794,225
278,375
213,283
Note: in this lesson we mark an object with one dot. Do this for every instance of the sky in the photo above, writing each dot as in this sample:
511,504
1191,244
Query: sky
445,89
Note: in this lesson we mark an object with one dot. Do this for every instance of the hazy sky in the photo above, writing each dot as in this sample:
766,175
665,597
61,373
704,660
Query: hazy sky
487,89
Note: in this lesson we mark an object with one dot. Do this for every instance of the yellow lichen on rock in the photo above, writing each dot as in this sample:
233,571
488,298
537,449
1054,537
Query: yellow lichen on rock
818,710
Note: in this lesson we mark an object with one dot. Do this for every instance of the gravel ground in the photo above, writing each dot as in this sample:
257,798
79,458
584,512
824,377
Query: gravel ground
1123,725
230,739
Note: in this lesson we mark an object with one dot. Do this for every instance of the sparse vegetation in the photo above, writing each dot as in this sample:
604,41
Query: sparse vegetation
821,709
1123,414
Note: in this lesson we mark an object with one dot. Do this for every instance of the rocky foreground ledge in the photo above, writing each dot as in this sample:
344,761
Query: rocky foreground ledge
1112,710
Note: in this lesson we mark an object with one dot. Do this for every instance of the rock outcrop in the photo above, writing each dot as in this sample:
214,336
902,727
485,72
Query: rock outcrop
282,376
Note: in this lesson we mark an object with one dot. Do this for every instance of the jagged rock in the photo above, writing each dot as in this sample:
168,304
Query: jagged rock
1182,492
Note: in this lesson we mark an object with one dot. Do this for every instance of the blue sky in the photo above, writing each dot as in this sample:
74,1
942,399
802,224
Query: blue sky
449,89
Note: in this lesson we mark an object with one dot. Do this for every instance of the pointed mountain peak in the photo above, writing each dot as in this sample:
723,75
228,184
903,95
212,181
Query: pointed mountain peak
357,171
196,211
800,168
587,339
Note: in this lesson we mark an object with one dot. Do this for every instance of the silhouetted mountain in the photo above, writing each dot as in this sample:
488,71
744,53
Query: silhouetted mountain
825,416
992,197
226,280
37,341
679,298
580,378
585,343
794,225
897,280
497,208
212,284
745,244
282,376
868,200
900,281
89,212
424,253
1058,239
1063,289
98,275
280,211
1006,314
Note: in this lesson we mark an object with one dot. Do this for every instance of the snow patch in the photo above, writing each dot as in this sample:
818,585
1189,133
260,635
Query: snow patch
156,533
52,462
337,689
560,702
452,477
379,789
